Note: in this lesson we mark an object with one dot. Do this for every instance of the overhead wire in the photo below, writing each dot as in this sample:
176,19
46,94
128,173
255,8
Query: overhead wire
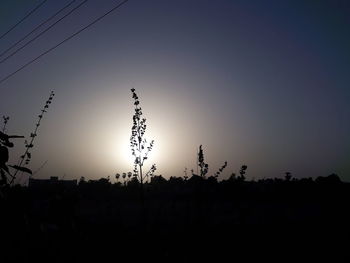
43,32
37,27
62,42
24,18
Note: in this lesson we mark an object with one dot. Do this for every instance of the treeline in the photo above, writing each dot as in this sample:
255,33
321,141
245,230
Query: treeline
177,220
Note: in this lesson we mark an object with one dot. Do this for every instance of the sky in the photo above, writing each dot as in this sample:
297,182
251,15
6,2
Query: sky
260,83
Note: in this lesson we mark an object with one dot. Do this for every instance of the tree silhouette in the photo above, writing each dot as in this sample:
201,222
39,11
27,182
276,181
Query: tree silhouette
185,174
288,176
242,173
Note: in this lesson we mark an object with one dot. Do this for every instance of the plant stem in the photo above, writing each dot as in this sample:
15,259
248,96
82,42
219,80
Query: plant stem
20,162
33,135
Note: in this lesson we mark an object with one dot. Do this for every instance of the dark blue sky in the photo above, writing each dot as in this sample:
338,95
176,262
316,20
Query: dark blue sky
262,83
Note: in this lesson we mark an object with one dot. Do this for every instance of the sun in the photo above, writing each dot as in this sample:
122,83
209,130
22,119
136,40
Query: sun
121,150
124,152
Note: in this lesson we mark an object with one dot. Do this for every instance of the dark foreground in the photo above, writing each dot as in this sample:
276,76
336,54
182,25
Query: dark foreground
177,221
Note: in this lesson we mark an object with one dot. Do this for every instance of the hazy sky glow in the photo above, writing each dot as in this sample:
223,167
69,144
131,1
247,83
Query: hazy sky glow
261,83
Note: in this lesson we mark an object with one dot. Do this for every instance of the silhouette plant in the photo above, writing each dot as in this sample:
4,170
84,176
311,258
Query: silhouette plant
27,155
5,143
82,180
185,174
124,178
288,176
129,175
151,171
117,176
202,165
242,173
232,177
5,121
216,175
140,149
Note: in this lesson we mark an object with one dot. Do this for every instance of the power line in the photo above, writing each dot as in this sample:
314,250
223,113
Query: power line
24,18
62,42
37,27
43,32
41,167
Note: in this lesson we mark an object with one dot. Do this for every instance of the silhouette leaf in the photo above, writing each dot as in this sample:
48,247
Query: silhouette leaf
3,136
22,169
4,155
15,136
5,168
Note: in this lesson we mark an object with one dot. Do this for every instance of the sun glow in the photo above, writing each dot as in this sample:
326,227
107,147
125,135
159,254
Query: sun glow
121,152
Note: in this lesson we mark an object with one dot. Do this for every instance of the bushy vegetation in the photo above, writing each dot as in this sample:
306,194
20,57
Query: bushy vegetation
195,218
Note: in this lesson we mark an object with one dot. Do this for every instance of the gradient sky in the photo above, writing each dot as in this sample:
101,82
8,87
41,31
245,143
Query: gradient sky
261,83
